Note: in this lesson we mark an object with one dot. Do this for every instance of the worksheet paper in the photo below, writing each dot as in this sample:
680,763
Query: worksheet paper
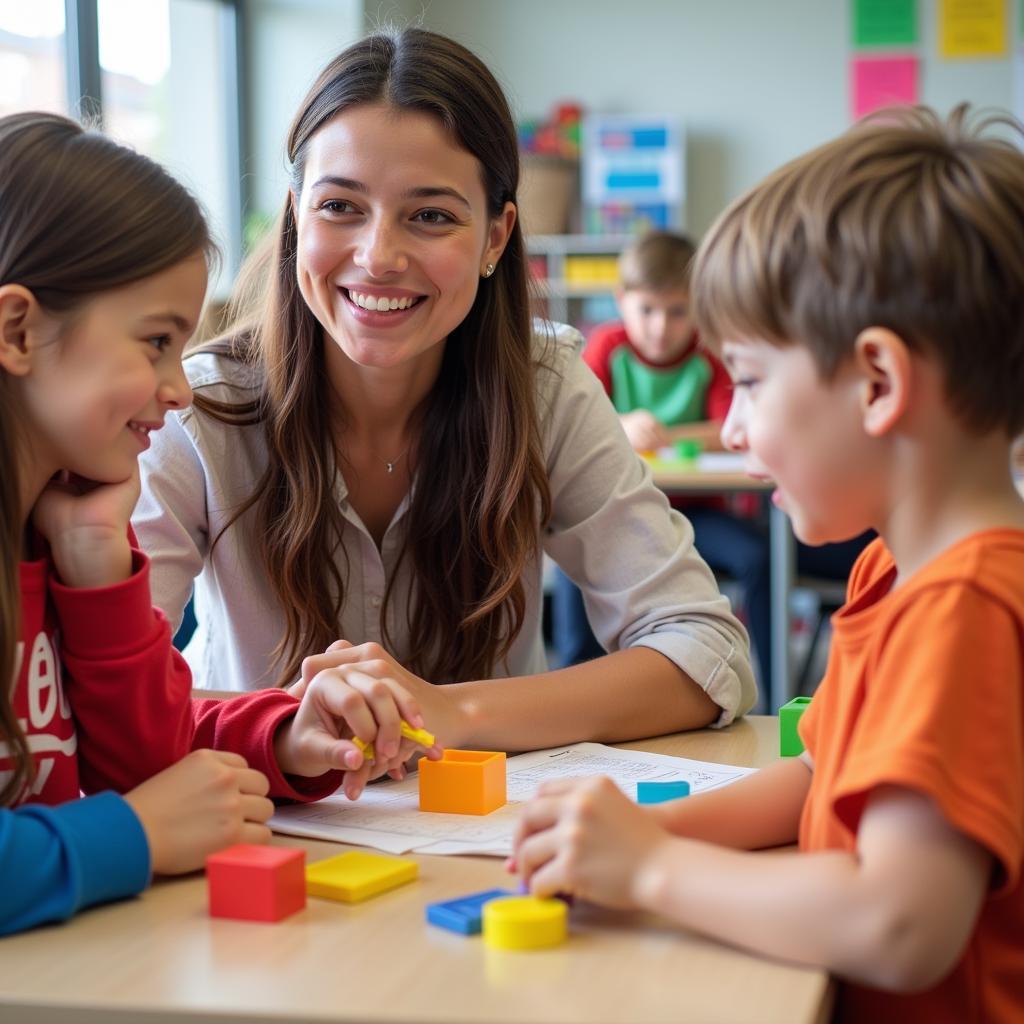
387,815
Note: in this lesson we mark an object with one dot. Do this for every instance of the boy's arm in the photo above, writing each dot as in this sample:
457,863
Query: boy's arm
759,811
870,915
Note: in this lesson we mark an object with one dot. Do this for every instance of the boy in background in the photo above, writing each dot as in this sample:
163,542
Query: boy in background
667,389
868,299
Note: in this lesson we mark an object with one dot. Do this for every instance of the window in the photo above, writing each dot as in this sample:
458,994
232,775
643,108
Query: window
161,76
168,83
32,64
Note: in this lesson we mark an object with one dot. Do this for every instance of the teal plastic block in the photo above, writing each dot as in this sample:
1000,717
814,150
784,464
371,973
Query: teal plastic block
658,792
790,743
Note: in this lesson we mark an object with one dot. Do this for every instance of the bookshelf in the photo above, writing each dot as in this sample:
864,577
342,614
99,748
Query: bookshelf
569,270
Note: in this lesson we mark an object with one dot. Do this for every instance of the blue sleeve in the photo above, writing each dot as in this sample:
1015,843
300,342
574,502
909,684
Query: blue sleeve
55,861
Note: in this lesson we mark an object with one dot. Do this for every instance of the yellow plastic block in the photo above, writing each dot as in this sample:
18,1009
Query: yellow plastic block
463,782
525,922
355,876
420,736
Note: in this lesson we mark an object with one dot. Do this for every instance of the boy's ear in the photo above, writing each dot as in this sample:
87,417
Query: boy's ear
884,363
20,319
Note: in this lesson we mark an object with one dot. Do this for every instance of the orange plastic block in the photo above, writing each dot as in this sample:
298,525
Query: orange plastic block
463,782
256,883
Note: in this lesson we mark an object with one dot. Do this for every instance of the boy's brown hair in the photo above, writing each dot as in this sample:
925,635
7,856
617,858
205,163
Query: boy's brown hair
905,221
657,261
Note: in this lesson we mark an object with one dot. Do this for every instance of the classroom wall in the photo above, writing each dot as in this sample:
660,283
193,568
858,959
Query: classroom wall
287,44
754,82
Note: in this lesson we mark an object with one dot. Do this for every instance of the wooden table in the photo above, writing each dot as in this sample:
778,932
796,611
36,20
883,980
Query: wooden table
161,958
685,480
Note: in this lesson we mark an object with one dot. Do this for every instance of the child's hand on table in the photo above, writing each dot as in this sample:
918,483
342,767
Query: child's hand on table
209,800
340,702
586,838
645,432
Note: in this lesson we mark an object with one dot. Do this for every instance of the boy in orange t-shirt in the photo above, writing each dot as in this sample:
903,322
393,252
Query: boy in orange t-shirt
868,300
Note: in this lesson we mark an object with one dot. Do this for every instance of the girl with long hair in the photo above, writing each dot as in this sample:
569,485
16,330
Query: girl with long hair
103,269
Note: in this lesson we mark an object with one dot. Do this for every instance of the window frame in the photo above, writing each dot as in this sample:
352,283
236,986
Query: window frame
85,96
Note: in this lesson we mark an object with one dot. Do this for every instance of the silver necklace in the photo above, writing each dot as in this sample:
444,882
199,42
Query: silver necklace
389,464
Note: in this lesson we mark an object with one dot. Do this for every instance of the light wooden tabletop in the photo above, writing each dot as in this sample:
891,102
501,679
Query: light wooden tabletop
162,958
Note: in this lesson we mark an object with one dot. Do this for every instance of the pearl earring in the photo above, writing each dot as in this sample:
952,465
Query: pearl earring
488,270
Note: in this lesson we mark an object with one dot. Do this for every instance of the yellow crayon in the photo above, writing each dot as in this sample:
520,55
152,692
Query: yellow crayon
420,736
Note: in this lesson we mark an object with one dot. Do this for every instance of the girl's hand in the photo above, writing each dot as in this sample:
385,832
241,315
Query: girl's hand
645,432
337,704
587,838
87,526
438,703
209,800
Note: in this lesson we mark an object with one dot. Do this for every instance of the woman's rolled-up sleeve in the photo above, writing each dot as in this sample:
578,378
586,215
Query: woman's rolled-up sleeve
633,557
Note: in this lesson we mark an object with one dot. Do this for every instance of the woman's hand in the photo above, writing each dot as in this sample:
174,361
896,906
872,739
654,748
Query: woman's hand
208,800
338,703
87,526
587,838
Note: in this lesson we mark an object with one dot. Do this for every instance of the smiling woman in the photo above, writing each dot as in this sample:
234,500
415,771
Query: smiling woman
383,451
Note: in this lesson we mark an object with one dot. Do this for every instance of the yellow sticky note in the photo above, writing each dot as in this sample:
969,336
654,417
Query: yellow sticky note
973,28
355,876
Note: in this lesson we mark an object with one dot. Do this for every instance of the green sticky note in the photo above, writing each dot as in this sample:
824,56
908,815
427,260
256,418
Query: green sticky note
884,22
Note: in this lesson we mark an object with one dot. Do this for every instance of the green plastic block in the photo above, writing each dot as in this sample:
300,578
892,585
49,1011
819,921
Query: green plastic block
688,450
790,743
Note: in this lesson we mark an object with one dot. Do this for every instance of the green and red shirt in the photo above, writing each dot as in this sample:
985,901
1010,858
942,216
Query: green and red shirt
693,387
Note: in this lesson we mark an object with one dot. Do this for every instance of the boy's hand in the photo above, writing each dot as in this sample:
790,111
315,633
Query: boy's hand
337,704
209,800
585,837
644,431
87,526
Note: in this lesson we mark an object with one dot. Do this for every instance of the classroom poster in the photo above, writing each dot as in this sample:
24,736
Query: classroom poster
884,22
972,28
882,81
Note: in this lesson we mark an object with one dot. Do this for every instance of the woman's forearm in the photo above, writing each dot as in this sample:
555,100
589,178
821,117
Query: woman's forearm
622,696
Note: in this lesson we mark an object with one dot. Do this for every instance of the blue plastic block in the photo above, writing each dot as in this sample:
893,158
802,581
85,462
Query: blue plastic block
659,792
463,915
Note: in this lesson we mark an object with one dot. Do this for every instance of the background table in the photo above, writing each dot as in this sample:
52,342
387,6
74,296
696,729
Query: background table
684,479
160,958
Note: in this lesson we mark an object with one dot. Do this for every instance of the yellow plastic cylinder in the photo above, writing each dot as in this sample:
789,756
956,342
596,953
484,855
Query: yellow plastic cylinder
525,922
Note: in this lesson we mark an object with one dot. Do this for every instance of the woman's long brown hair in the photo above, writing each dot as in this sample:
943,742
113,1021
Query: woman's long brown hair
472,523
79,215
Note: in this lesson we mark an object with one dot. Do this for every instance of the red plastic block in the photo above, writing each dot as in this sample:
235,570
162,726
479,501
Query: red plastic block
256,883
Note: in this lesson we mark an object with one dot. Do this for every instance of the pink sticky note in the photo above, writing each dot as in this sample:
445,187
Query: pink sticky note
881,81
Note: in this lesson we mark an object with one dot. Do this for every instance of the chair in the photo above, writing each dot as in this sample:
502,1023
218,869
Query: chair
831,596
